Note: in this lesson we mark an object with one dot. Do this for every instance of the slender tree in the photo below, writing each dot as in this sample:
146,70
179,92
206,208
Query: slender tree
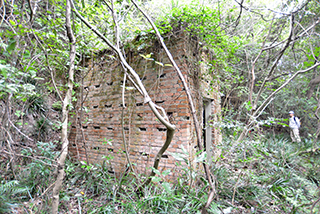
65,112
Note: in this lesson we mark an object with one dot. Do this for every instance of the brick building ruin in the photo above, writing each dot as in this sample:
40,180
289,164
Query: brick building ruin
101,139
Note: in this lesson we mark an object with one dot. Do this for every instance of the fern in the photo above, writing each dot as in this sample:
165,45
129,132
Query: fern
9,193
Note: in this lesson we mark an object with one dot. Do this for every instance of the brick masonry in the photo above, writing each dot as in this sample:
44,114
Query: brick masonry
101,139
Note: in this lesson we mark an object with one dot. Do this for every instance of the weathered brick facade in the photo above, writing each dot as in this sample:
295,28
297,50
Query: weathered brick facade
144,134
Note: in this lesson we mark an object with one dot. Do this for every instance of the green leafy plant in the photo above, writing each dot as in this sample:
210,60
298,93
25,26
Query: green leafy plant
37,173
57,106
11,192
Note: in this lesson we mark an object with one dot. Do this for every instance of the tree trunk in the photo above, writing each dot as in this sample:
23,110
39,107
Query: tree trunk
65,112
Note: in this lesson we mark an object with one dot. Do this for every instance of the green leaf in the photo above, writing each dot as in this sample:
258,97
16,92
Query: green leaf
33,73
166,172
12,88
156,179
12,22
167,187
83,162
12,45
26,54
178,156
156,171
201,158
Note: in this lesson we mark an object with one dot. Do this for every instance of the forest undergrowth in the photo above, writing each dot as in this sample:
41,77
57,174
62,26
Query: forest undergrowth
266,175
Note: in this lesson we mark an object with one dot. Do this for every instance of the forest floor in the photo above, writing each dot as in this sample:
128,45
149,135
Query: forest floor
266,175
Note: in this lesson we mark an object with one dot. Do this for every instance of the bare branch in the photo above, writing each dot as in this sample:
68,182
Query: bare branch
275,62
283,85
239,16
254,64
20,130
147,99
190,102
122,126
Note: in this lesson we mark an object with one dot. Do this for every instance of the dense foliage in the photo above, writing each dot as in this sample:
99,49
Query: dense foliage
252,53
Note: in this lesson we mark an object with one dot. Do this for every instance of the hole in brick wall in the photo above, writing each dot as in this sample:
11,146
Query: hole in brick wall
142,129
185,118
74,145
162,75
126,128
95,106
184,56
144,154
162,129
164,156
96,127
139,104
109,83
96,148
122,82
143,78
86,88
194,54
108,106
84,127
121,105
159,101
110,150
139,115
110,171
109,128
170,113
111,116
74,127
97,86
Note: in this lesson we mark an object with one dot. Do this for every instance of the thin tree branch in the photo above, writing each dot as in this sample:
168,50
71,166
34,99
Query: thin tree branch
254,64
122,127
147,98
65,113
190,100
267,101
283,85
275,62
170,127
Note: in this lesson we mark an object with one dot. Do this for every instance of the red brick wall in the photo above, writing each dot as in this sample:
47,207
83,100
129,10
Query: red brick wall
144,133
